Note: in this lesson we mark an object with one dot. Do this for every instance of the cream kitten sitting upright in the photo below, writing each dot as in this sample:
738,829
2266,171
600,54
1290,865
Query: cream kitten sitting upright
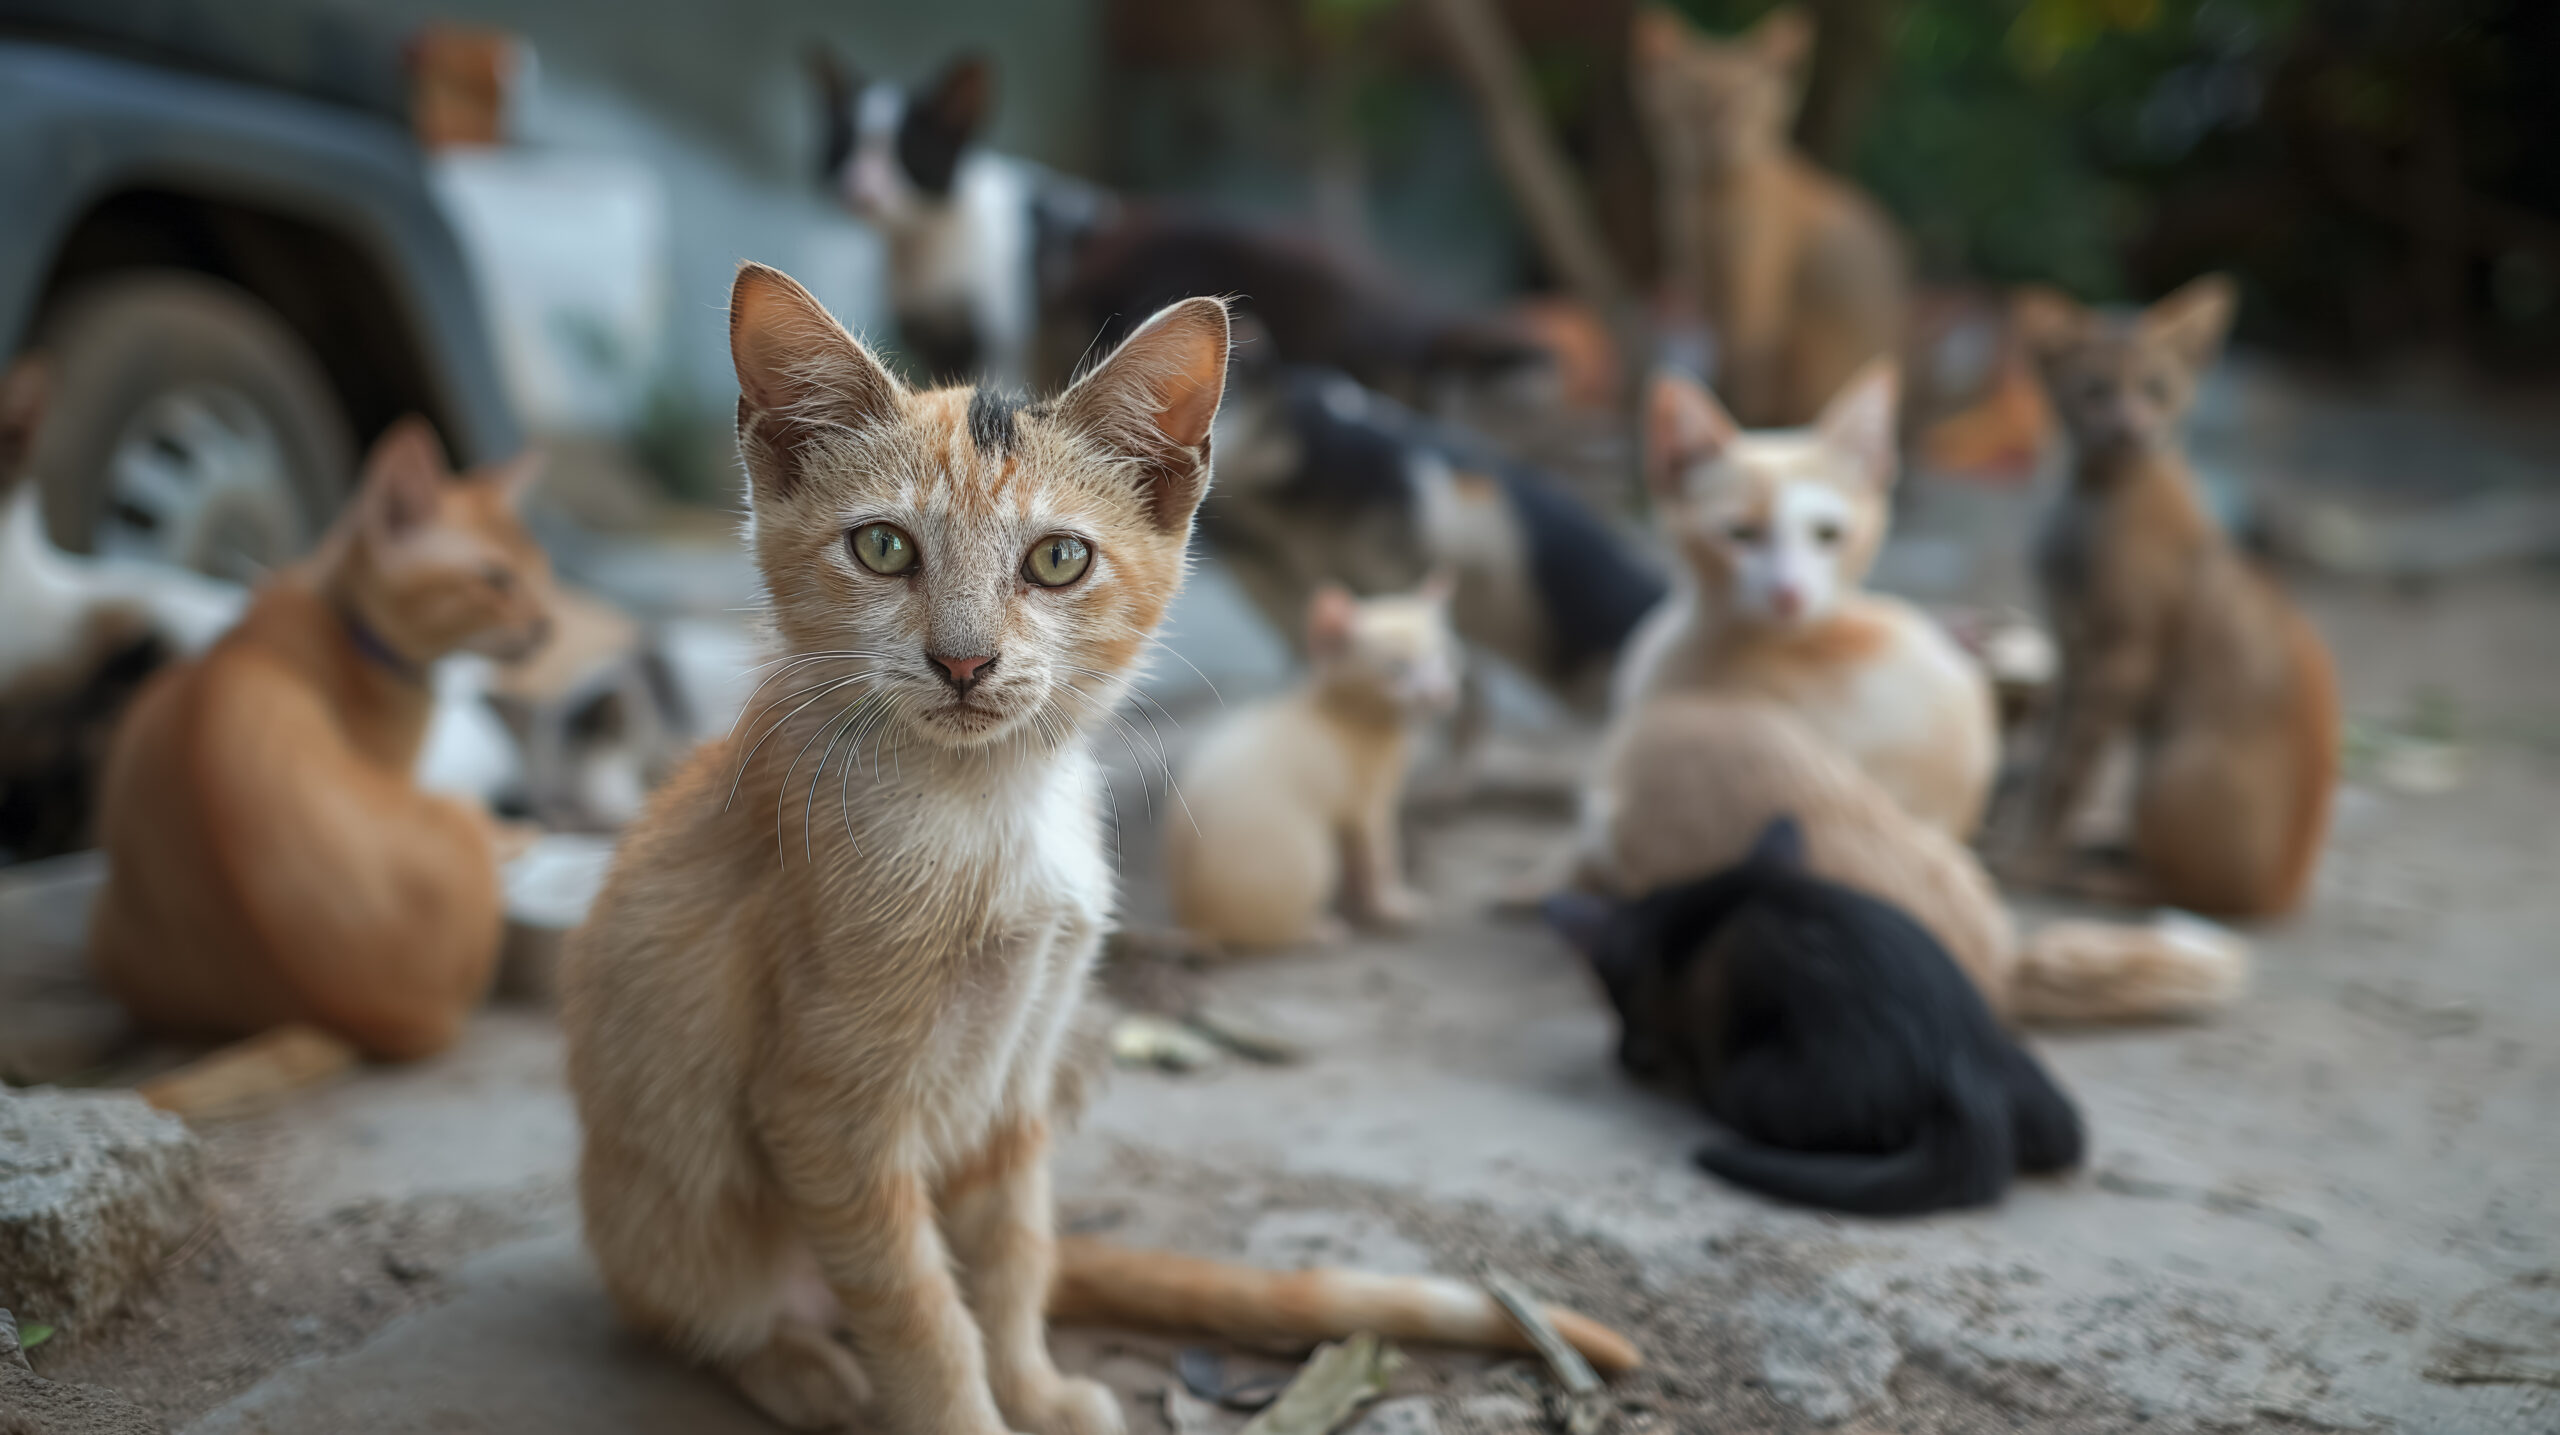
1292,803
814,1025
1775,531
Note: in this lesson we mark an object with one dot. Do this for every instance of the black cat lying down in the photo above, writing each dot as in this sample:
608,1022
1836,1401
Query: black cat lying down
1856,1066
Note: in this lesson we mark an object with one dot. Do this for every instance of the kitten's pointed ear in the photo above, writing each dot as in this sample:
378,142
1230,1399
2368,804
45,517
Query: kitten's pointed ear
964,94
1859,421
800,375
2194,319
1581,918
1154,400
515,478
25,390
1656,34
2046,321
1684,426
1331,614
839,90
1780,844
404,478
1784,37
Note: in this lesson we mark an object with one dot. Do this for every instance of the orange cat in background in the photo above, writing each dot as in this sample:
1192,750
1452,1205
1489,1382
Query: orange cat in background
270,859
2169,635
1799,274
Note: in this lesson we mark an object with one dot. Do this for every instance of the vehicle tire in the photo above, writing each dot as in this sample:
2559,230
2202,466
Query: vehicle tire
187,424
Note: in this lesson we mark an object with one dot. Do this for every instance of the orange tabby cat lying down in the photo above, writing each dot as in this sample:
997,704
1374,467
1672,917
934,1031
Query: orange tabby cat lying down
270,859
815,1018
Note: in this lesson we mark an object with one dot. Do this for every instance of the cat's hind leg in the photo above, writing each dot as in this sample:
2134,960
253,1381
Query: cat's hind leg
722,1279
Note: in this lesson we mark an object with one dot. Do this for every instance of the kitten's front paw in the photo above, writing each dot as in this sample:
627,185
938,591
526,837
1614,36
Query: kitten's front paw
1075,1406
1401,907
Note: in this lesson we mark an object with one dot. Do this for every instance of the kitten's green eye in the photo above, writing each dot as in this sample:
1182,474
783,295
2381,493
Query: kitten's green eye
1826,534
883,549
1744,532
1057,560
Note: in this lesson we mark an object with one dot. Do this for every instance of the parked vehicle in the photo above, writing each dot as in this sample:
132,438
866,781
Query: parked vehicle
220,231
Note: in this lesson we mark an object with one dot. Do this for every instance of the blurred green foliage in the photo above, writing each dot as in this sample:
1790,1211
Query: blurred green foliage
2024,139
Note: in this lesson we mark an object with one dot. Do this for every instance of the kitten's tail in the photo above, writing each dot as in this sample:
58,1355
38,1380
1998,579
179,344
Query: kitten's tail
1964,1154
1109,1284
2174,965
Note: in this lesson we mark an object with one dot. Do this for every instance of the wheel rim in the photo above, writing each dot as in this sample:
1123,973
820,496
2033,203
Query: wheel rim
199,478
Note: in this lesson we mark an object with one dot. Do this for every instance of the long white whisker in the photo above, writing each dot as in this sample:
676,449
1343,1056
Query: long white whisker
782,789
779,726
851,714
1186,662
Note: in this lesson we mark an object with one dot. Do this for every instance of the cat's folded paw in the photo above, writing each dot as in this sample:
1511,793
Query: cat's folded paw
1075,1406
802,1380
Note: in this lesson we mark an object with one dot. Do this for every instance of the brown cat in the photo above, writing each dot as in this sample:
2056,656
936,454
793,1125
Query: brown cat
1800,275
814,1025
270,859
1687,783
1776,532
2168,634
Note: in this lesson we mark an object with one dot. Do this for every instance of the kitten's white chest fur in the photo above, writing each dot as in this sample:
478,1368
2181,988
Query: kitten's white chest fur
1022,848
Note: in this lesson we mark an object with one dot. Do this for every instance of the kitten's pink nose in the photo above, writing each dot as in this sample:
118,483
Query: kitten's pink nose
1788,601
963,673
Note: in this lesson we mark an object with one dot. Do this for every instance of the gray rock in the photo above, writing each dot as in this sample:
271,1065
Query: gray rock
96,1188
1499,1414
1410,1415
33,1405
1824,1358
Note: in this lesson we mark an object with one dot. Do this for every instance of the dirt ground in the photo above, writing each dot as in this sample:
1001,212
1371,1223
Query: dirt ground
2331,1208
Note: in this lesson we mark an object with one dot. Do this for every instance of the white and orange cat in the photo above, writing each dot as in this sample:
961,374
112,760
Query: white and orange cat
1775,532
270,857
1291,805
1799,275
815,1019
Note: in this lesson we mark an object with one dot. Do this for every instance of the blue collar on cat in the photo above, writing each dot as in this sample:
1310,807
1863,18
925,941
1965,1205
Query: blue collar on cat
377,649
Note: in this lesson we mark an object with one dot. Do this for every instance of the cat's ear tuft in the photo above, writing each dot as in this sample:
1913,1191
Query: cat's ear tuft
961,99
2046,321
799,375
404,478
1858,422
2194,319
25,390
1684,427
1154,401
1331,615
1784,37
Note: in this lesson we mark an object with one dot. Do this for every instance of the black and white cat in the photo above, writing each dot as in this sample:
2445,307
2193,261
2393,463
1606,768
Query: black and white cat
1856,1066
1004,271
958,220
1322,480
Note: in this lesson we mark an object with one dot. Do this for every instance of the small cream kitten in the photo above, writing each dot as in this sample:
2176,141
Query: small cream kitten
1290,806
